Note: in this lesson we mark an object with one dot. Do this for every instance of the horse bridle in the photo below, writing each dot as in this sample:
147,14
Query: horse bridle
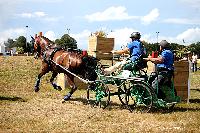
39,51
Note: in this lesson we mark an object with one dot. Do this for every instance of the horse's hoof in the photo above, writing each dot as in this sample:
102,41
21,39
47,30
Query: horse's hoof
67,97
59,88
63,101
36,89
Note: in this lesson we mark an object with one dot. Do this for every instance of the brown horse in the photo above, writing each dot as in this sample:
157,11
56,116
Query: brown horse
75,62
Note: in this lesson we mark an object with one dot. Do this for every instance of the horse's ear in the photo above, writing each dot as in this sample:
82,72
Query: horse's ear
33,39
40,34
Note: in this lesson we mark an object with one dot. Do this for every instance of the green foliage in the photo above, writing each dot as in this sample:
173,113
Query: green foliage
150,47
175,46
20,50
179,50
9,43
195,48
66,42
20,42
100,33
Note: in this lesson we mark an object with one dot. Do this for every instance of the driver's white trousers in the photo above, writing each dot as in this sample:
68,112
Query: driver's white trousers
117,66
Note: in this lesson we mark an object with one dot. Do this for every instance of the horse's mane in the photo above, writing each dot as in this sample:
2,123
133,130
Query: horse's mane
48,39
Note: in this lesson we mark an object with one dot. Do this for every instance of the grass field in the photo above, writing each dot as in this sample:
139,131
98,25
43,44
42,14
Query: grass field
23,110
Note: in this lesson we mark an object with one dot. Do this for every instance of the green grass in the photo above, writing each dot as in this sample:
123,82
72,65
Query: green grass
23,110
195,85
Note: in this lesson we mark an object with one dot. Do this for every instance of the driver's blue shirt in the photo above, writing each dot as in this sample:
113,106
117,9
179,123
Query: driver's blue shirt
135,48
168,60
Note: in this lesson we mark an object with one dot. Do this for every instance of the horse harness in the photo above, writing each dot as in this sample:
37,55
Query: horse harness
49,54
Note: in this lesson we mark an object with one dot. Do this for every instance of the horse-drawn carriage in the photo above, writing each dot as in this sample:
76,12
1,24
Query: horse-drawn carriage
133,84
134,88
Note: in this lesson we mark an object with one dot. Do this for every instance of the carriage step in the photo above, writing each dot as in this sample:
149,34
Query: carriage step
169,104
105,66
125,78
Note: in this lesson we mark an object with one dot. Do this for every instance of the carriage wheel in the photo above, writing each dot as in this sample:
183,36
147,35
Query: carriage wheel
142,95
101,95
122,94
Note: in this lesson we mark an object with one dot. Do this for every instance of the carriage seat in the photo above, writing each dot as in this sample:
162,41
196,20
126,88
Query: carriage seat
136,65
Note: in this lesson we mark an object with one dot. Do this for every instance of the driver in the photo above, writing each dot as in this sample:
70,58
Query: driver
164,65
134,48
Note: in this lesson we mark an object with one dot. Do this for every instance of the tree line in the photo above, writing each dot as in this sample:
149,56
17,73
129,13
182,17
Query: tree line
66,41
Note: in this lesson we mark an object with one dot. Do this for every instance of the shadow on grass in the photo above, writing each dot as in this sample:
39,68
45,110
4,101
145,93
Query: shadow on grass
184,109
175,109
195,90
8,98
114,106
111,105
194,100
83,100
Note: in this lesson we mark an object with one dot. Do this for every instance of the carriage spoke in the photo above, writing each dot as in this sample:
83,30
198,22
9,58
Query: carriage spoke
143,97
101,95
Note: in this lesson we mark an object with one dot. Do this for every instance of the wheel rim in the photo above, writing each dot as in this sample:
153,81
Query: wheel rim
142,95
124,93
102,94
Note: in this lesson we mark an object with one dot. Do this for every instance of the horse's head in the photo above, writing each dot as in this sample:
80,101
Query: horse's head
40,44
90,67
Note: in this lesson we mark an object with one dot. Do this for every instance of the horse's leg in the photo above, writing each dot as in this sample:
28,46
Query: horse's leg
44,70
70,81
37,84
55,86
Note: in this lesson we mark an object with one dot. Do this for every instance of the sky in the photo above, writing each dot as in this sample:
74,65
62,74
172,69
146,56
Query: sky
176,21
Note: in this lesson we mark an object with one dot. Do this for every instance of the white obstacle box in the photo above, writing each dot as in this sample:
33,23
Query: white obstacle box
61,80
182,80
100,47
2,50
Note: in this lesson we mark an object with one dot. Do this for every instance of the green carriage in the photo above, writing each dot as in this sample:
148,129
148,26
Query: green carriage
133,89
